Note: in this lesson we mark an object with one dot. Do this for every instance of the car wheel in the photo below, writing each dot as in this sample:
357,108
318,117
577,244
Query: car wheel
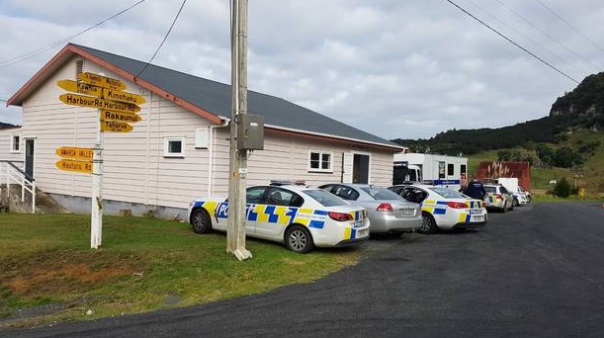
428,224
200,221
505,207
513,204
298,239
516,203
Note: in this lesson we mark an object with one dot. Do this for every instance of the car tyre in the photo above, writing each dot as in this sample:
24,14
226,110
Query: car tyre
428,224
512,206
516,203
298,239
200,221
505,207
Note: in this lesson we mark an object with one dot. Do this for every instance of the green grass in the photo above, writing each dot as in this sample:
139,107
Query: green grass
143,265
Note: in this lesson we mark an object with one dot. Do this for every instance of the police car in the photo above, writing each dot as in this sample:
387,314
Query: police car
299,216
443,208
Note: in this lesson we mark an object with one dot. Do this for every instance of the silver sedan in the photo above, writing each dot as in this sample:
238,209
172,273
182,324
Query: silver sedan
387,211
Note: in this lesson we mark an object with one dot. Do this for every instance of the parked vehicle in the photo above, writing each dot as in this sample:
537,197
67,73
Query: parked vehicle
526,193
388,212
511,184
443,208
498,197
432,169
299,216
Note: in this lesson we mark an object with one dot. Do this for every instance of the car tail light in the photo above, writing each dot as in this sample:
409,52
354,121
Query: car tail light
457,205
384,207
499,197
340,216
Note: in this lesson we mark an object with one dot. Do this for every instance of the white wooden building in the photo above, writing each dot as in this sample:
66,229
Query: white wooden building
179,151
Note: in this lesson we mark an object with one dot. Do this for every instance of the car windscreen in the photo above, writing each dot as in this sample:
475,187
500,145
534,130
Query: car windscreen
324,198
448,193
492,190
381,194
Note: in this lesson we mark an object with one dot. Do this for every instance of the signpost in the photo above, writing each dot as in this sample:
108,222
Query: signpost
115,109
116,116
101,81
76,166
75,153
95,102
115,126
116,95
80,87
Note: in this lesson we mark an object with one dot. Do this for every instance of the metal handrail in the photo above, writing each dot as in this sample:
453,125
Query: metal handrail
12,164
14,173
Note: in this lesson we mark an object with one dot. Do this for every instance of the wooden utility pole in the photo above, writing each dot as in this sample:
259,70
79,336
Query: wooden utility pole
238,157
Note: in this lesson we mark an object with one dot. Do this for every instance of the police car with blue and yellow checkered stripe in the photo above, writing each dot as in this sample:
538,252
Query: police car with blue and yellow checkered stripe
443,208
299,216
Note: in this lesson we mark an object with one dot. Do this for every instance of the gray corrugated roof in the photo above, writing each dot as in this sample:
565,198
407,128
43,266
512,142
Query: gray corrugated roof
215,98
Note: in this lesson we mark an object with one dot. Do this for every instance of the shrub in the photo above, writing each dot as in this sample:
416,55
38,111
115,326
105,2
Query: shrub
562,188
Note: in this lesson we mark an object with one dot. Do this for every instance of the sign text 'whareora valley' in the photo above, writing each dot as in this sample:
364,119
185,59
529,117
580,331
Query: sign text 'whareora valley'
75,152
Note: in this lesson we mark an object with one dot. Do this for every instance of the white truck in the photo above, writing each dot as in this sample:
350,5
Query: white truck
438,170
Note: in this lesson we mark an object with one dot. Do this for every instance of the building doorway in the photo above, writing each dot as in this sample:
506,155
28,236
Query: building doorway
29,157
355,168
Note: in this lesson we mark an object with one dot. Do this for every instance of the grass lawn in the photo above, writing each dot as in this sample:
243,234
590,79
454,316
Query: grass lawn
143,265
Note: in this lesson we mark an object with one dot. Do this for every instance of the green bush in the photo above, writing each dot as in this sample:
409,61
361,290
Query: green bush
562,188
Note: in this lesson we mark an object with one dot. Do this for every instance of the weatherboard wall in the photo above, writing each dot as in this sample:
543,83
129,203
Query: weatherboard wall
135,168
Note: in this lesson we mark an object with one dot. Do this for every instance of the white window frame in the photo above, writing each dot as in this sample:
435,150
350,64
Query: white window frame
167,141
321,153
12,143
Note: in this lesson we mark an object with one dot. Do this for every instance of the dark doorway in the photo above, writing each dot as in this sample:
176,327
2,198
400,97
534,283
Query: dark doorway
360,169
29,157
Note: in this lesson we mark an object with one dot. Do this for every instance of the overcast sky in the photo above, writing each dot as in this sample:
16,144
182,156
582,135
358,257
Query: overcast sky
394,68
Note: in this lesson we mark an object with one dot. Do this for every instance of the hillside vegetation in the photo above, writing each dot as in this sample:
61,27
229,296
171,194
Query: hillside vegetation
569,142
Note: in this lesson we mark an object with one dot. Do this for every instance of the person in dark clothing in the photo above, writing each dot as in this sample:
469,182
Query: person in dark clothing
475,189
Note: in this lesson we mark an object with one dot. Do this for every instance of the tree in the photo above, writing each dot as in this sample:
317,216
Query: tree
562,188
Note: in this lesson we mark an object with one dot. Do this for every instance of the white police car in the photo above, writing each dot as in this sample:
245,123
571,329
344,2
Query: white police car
299,216
443,208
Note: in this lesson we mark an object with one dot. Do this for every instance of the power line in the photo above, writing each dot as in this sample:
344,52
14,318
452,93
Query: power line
513,42
569,25
39,51
544,32
164,40
547,50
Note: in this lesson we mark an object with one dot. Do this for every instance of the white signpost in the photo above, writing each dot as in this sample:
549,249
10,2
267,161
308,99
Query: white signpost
114,110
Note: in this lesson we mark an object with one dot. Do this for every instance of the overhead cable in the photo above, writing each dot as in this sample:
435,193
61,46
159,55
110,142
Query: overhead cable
544,32
569,25
39,51
513,42
164,40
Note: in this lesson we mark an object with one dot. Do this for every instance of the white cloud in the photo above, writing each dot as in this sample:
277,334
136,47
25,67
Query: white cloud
394,68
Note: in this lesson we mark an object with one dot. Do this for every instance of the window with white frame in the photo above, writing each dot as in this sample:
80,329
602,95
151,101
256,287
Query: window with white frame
174,147
320,161
15,146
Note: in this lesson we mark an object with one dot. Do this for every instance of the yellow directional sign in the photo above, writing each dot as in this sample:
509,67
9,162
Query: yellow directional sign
115,126
116,116
118,95
93,102
73,165
101,81
75,153
80,87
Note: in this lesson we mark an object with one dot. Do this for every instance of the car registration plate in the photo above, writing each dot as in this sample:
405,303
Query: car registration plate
478,218
475,211
358,224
